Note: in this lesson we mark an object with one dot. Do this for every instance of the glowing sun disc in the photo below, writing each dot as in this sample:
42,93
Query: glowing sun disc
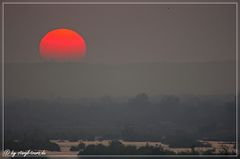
62,44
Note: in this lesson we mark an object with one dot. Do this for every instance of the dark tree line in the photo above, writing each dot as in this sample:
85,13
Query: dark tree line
177,121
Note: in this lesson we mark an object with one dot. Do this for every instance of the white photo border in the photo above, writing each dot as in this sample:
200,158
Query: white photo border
125,3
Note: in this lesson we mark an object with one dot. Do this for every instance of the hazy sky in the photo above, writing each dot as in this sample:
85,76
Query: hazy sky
126,33
157,49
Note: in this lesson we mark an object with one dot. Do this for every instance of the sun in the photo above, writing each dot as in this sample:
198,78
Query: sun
62,44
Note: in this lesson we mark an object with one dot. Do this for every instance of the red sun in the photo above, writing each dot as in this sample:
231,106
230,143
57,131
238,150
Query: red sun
62,44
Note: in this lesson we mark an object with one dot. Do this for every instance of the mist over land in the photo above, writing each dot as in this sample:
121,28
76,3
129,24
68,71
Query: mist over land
138,118
177,104
177,121
74,80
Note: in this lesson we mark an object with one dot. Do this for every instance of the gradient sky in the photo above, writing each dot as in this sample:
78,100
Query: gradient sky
126,33
157,49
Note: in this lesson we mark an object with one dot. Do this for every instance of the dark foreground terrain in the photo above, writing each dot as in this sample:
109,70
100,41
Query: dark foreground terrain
178,121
